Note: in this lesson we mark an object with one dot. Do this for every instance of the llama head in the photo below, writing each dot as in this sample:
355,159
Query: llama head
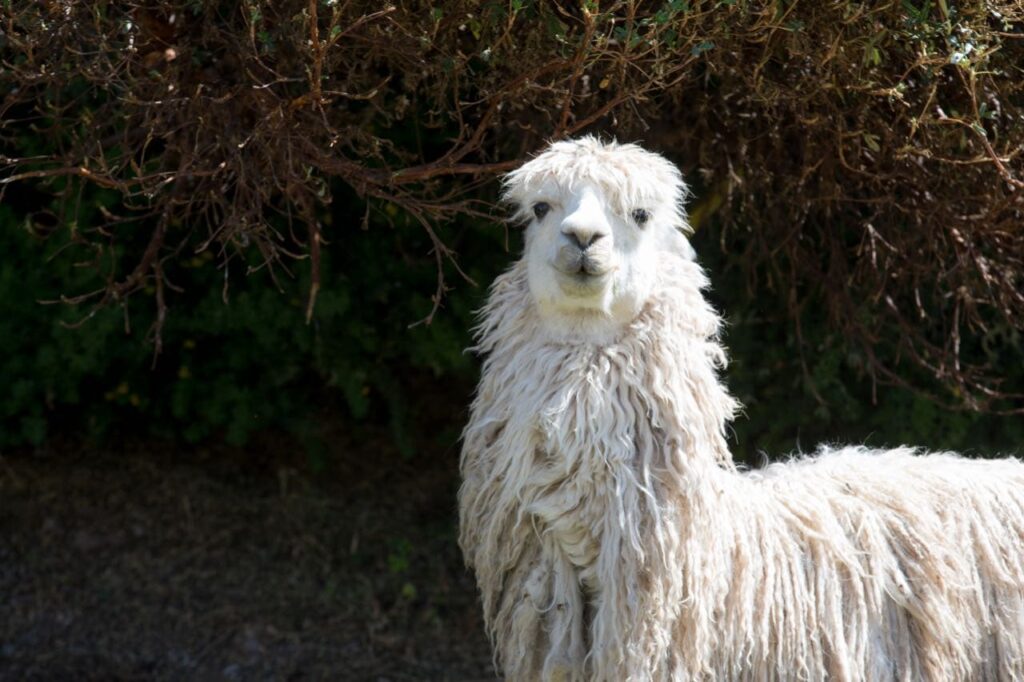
600,216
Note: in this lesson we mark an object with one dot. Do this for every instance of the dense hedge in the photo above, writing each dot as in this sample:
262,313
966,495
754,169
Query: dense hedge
241,359
857,170
249,365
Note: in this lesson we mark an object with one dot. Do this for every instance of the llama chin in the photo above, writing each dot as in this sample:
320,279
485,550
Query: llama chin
611,534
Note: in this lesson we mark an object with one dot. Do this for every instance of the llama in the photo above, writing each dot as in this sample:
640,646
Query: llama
611,534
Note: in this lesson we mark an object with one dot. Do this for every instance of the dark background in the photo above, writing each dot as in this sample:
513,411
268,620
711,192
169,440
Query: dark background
204,476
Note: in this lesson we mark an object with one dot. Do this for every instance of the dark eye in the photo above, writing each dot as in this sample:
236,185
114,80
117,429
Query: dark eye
641,216
540,209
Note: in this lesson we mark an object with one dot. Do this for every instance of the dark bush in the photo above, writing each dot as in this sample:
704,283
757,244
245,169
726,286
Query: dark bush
857,170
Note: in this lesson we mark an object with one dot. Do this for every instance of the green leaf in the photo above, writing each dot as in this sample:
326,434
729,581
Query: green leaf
701,48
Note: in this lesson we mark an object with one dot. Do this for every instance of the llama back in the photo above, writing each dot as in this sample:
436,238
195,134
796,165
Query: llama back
860,564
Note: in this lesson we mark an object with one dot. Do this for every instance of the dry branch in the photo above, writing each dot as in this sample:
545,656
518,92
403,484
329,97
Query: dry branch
903,127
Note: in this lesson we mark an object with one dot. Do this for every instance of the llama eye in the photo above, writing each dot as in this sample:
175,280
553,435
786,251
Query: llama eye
540,209
641,216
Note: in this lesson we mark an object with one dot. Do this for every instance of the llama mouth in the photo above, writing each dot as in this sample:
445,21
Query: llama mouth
585,274
583,269
582,281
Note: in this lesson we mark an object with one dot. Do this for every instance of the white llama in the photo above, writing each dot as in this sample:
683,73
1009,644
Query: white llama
611,534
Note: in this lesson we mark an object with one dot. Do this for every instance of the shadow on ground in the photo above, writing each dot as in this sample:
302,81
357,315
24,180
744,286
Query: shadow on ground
138,566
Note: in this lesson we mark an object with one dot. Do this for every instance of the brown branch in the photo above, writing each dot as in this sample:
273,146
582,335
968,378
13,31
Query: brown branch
979,131
314,260
435,170
577,71
79,171
316,72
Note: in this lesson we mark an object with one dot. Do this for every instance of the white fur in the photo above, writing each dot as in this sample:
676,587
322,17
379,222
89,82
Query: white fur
612,536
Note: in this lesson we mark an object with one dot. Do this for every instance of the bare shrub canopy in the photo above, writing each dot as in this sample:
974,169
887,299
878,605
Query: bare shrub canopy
862,158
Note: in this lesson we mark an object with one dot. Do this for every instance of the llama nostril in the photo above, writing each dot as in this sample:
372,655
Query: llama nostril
583,240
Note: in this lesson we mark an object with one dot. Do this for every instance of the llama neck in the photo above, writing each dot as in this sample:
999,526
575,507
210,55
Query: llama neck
664,363
611,448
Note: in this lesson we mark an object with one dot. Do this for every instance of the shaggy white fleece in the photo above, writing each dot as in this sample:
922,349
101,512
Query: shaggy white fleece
613,538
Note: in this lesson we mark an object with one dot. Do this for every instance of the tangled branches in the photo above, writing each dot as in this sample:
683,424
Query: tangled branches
871,164
224,120
863,159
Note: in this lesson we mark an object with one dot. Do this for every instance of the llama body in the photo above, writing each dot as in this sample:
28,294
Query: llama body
613,539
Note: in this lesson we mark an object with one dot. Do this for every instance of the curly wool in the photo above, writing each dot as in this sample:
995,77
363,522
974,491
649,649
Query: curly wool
614,539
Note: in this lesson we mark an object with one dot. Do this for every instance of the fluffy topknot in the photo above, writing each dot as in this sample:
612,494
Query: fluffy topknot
629,177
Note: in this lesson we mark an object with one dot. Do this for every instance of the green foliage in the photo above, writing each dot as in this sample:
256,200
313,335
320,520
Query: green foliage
236,369
802,388
250,364
858,203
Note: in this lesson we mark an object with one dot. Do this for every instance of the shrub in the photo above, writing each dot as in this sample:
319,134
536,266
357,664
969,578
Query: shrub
858,165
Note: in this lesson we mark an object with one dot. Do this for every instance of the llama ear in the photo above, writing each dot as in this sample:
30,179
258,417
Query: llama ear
676,243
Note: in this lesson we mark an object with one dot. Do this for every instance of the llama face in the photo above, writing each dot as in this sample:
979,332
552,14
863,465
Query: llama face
599,216
585,259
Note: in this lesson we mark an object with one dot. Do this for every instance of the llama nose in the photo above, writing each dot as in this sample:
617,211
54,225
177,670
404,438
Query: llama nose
582,238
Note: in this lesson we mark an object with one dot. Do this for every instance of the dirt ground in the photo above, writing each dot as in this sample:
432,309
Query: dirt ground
225,566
